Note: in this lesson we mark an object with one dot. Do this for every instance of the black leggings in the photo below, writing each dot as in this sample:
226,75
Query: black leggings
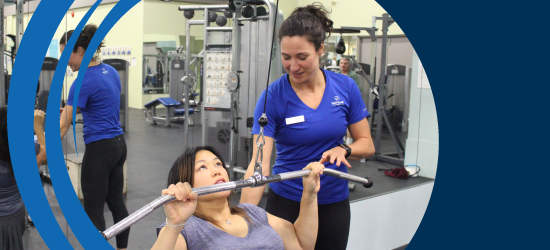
334,220
103,181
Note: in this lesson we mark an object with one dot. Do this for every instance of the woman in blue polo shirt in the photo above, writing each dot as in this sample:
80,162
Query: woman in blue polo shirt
309,110
102,176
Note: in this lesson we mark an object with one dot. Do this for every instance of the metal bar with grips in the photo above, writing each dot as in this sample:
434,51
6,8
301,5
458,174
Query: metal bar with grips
251,182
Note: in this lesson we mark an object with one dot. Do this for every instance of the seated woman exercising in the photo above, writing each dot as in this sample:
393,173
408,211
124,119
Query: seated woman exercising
208,222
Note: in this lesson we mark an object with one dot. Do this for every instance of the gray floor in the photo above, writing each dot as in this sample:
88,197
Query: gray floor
151,152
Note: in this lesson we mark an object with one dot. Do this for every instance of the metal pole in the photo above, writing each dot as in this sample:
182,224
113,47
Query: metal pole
19,25
166,73
206,24
381,86
235,67
372,68
251,182
405,123
398,146
2,66
185,88
233,110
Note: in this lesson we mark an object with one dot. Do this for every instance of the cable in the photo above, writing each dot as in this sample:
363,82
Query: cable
262,121
415,173
271,54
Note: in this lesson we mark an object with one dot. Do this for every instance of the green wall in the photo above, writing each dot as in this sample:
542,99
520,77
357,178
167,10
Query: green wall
153,20
128,31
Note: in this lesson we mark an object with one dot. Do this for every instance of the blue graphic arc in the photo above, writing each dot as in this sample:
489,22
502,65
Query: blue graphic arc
30,56
67,198
79,222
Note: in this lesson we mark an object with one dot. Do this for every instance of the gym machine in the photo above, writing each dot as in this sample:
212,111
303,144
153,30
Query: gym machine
45,82
177,72
236,60
122,67
156,78
171,82
398,88
181,90
381,117
4,76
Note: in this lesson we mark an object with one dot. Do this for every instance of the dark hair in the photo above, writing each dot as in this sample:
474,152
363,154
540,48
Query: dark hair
66,36
84,39
4,146
183,170
311,22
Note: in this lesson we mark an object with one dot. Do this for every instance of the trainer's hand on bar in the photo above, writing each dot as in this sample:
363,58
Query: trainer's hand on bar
312,183
177,212
336,154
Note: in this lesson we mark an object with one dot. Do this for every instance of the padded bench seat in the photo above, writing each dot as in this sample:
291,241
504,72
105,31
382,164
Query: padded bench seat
174,111
165,101
182,111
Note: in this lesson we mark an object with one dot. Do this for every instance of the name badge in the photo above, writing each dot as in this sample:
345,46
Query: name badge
295,119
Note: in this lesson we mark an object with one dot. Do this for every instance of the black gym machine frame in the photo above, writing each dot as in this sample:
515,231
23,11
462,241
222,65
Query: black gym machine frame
381,118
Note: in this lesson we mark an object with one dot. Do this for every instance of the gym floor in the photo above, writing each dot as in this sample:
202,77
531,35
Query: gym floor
151,153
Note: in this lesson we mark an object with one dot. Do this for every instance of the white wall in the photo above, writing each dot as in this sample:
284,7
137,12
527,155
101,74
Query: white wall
388,221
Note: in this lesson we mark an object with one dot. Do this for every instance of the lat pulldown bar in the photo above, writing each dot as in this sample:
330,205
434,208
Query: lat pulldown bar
251,182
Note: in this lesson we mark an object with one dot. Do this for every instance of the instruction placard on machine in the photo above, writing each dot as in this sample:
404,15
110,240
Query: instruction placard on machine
217,66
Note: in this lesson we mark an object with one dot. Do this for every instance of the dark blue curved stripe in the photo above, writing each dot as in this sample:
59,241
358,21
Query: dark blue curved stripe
30,57
66,196
84,230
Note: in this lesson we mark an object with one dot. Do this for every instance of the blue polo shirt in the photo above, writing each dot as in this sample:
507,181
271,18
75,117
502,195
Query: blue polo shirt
301,141
99,103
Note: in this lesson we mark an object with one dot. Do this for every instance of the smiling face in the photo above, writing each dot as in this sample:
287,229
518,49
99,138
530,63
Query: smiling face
300,59
209,170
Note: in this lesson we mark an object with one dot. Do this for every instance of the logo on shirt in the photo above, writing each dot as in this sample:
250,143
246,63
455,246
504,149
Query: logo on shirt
104,71
337,102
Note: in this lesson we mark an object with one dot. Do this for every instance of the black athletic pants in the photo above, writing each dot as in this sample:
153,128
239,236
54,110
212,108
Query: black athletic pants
334,220
103,181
